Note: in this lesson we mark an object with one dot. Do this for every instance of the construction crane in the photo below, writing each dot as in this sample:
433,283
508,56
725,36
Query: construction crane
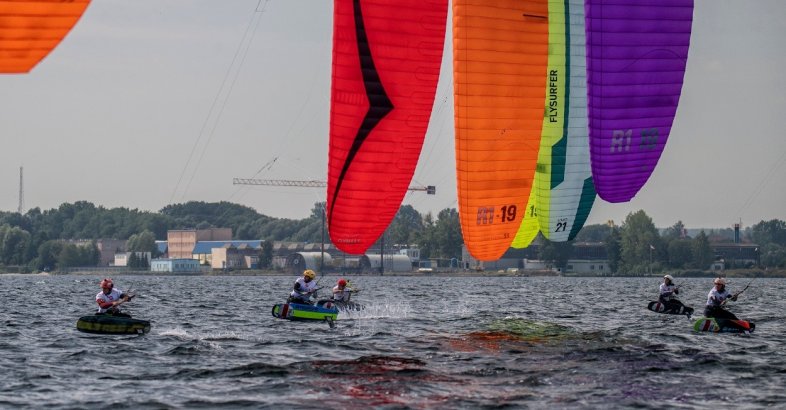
429,189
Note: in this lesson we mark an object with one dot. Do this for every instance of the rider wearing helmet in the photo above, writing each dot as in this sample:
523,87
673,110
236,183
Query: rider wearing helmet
717,298
667,291
342,293
304,288
110,298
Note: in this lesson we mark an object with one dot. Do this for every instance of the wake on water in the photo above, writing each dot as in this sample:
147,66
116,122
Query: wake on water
378,310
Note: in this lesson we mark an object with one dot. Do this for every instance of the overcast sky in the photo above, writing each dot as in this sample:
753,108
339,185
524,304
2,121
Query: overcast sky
153,102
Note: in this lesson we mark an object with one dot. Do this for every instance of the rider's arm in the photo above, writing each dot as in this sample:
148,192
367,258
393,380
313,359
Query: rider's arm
299,289
105,304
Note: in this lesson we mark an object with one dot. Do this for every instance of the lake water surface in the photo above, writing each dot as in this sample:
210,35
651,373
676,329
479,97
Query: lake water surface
422,343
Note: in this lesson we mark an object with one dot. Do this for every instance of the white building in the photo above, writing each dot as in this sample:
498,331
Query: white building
175,265
593,267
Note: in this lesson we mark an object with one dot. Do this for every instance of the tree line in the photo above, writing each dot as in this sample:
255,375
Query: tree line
39,239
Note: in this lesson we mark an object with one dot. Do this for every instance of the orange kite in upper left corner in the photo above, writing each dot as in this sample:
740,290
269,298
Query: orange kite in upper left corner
31,29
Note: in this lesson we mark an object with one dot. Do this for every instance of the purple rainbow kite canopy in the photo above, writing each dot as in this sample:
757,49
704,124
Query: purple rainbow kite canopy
636,56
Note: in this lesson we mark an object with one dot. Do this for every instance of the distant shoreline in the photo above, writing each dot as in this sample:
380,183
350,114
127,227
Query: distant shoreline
780,273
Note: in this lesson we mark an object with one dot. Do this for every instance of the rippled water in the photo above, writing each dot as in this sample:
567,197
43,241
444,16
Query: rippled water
464,342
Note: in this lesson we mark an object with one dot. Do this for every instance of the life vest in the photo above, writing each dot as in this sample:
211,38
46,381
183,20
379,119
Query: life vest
715,298
667,291
113,296
303,287
342,295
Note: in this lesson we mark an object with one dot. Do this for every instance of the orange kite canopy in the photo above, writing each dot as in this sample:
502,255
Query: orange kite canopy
30,29
500,52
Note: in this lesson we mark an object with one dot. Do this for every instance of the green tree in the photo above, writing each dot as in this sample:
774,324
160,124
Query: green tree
13,245
15,219
197,214
675,231
772,231
614,249
318,211
31,253
266,254
405,227
773,256
156,223
133,260
447,234
143,242
308,230
77,255
3,232
680,253
143,262
426,239
556,253
48,254
92,254
702,252
639,241
593,233
69,256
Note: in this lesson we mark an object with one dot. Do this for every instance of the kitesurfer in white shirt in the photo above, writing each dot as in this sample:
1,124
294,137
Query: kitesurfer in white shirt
304,288
342,293
110,298
667,291
716,299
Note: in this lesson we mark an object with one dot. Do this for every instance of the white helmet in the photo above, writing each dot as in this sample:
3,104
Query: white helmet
720,281
669,278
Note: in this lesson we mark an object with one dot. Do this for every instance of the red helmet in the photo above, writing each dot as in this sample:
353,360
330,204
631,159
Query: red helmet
106,283
342,282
